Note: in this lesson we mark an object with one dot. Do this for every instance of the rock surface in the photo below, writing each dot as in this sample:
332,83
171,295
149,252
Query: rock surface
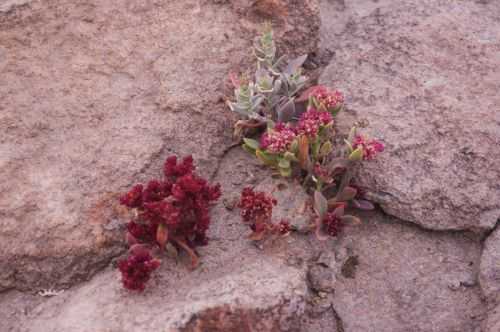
407,279
426,76
94,96
8,5
386,276
489,275
258,294
493,322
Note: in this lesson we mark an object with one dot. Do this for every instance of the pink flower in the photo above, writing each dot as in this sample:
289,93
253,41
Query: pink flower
331,100
278,139
371,147
311,121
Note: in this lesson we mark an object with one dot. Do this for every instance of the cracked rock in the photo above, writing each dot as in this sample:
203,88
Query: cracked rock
425,75
95,96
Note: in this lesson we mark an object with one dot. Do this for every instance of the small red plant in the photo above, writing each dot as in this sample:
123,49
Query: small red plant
173,210
257,211
136,269
330,218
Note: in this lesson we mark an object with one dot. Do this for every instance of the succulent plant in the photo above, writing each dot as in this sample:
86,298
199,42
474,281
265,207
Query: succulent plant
271,96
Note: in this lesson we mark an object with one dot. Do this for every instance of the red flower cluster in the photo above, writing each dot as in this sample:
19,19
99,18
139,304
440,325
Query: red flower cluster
331,100
311,121
278,139
257,210
136,269
175,209
333,224
371,147
284,227
256,205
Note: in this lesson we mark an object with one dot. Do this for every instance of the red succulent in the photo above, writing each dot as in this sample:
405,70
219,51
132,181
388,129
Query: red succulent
256,205
174,210
137,267
332,224
256,211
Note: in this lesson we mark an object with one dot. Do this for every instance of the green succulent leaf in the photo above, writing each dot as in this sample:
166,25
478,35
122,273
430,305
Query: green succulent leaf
320,204
285,172
326,149
352,134
266,158
356,155
284,163
248,149
251,143
290,156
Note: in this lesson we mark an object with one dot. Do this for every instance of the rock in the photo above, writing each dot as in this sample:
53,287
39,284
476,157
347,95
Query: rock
321,279
94,97
8,5
264,294
426,76
401,284
492,323
489,271
322,273
292,201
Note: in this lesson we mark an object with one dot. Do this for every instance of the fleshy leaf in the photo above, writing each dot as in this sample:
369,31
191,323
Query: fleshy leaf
248,149
251,143
356,155
266,158
295,64
286,111
326,149
363,204
303,152
285,172
320,204
189,251
284,163
290,156
257,236
339,211
351,219
347,194
320,234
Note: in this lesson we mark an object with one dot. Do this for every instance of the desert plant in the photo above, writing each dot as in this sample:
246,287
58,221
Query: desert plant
170,212
303,144
270,96
257,211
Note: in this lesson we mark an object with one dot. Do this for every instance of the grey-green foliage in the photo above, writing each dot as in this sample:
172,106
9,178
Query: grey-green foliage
271,94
